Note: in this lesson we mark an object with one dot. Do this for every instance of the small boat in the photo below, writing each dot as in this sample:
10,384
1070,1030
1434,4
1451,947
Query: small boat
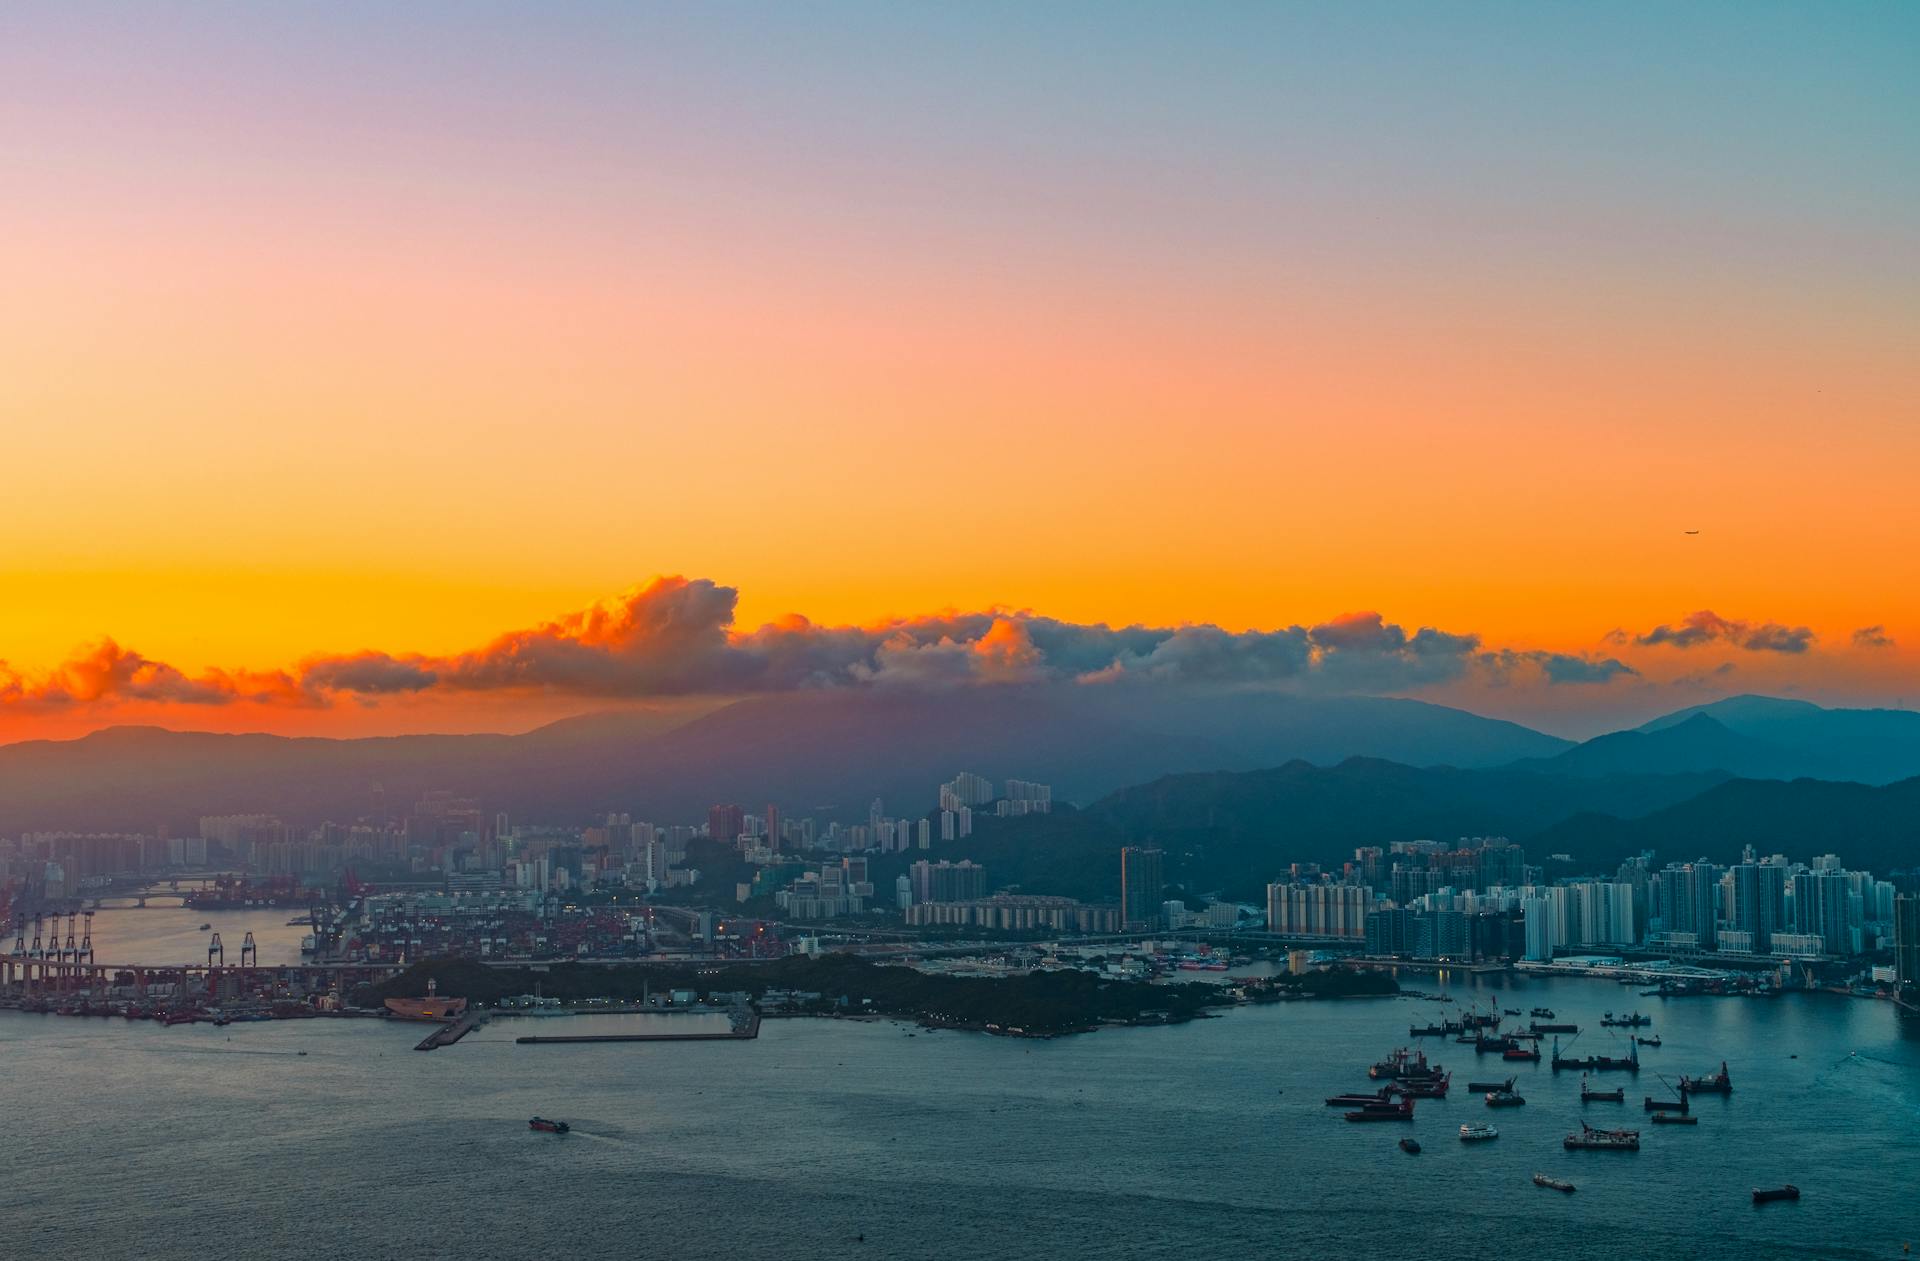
1675,1118
1477,1133
1542,1180
1410,1146
1767,1195
205,927
1503,1099
548,1127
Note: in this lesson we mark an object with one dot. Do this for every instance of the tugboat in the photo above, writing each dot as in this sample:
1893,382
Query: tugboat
1477,1133
1410,1146
1503,1099
1589,1095
1712,1084
1767,1195
1602,1140
548,1127
1542,1180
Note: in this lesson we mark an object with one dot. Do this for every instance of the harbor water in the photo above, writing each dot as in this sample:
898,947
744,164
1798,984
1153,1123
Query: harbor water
826,1136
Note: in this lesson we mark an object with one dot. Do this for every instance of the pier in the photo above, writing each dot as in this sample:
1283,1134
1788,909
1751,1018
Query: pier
744,1029
448,1034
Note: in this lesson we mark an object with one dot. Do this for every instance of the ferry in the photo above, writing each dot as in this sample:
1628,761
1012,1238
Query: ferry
1477,1133
1542,1180
548,1127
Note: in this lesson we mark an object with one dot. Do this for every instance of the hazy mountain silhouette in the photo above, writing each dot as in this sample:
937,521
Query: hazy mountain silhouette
1696,743
833,748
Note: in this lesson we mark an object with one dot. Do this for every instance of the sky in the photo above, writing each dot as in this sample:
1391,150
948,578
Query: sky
553,357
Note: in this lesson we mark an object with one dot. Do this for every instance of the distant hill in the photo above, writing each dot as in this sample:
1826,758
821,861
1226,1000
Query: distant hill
1234,832
1696,743
830,750
1872,746
1872,826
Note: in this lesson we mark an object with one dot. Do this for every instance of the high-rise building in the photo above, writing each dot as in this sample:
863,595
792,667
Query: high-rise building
966,789
1141,886
726,823
1906,949
1758,904
1820,909
1318,909
773,827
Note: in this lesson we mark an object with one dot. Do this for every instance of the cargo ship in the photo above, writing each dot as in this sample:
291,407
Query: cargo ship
1553,1184
1630,1063
1719,1083
1653,1041
1668,1105
1482,1087
1402,1111
1404,1065
1632,1020
1589,1095
1383,1096
1767,1195
548,1127
1528,1053
1675,1118
1422,1087
1545,1013
1539,1030
1590,1139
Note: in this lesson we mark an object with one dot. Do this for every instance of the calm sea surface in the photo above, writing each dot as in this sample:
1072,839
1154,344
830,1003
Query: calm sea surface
1211,1139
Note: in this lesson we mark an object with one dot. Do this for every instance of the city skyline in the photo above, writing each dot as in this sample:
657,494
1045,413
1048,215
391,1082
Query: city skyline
400,331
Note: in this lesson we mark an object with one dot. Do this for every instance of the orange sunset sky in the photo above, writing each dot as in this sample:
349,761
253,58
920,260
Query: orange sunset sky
392,337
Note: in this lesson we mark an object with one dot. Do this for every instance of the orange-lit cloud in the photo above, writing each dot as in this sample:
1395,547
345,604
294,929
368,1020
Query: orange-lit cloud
674,640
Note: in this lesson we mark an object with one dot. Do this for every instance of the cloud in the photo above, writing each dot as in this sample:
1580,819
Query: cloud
1556,668
676,636
1872,637
1706,627
106,673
